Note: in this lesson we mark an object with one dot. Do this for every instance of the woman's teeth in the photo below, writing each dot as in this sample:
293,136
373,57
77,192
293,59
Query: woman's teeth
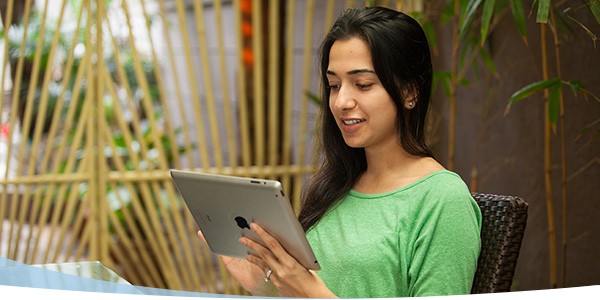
352,122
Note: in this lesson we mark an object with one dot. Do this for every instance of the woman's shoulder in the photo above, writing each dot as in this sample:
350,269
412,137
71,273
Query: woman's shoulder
444,185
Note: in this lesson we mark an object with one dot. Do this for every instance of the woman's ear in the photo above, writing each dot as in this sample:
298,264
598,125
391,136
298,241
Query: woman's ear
410,98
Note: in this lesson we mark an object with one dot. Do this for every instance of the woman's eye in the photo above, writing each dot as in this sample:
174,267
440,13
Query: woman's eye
364,86
334,87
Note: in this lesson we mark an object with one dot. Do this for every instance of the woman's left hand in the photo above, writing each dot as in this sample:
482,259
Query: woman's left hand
289,277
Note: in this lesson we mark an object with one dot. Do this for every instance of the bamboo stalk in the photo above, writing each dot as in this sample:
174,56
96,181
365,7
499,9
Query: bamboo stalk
77,143
307,57
453,86
176,81
192,77
38,129
72,146
242,85
158,243
190,274
24,201
208,84
5,189
258,81
563,150
153,275
548,165
228,115
153,189
287,92
274,76
145,100
169,130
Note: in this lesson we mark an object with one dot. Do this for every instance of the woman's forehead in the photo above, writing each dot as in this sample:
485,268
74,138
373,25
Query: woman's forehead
349,55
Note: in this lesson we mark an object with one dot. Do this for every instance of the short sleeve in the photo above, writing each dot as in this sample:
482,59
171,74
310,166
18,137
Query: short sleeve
447,242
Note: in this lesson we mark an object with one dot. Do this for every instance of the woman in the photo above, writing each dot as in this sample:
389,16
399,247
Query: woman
384,218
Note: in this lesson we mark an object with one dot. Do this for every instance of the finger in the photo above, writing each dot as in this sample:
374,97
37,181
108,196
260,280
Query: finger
201,236
259,250
271,243
257,261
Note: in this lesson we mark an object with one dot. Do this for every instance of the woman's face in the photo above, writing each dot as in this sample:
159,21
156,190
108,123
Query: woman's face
362,108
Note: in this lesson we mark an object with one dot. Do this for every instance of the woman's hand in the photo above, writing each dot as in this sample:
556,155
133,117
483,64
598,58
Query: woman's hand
289,277
248,275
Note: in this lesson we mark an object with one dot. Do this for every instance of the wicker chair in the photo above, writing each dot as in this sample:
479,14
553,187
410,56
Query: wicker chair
503,225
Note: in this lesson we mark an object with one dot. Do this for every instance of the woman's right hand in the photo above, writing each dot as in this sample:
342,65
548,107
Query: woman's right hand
248,275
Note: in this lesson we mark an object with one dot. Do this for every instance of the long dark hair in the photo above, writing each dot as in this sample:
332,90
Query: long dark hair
402,60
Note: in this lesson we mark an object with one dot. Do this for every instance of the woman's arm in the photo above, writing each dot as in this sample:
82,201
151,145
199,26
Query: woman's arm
288,276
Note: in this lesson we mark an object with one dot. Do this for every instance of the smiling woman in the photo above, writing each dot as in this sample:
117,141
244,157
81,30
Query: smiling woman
383,217
363,110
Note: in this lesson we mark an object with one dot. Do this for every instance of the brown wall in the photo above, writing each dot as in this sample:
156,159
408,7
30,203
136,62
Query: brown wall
507,150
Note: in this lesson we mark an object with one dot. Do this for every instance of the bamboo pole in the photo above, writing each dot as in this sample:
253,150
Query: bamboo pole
307,57
40,123
287,92
5,187
208,84
176,81
169,130
148,220
71,201
242,86
453,85
228,114
273,88
175,261
563,150
27,121
50,140
258,81
548,164
204,161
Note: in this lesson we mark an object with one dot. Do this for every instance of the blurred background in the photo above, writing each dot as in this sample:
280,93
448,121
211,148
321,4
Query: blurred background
102,98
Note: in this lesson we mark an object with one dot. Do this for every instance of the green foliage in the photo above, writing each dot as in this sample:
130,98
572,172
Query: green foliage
543,11
594,6
516,7
554,87
486,18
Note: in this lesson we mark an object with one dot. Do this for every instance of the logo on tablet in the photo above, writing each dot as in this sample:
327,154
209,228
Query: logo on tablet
241,222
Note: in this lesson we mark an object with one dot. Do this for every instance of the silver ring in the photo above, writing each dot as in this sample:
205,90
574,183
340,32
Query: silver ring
268,275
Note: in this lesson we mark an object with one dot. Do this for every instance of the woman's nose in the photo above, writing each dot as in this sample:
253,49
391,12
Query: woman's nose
345,99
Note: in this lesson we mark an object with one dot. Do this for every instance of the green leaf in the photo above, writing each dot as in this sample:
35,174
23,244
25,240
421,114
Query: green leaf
489,62
594,6
553,103
472,7
532,88
486,18
591,125
443,78
518,12
430,32
447,13
313,98
543,11
576,86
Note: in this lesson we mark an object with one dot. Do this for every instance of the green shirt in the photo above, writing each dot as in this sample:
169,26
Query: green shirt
420,240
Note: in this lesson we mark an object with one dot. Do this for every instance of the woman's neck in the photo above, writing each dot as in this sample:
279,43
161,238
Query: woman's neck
391,168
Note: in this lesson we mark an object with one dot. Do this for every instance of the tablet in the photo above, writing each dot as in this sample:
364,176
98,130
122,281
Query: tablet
223,207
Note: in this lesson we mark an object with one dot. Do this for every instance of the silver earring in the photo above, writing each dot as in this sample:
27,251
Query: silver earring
410,104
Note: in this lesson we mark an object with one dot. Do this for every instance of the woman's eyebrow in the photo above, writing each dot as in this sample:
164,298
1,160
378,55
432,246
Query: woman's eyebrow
352,72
